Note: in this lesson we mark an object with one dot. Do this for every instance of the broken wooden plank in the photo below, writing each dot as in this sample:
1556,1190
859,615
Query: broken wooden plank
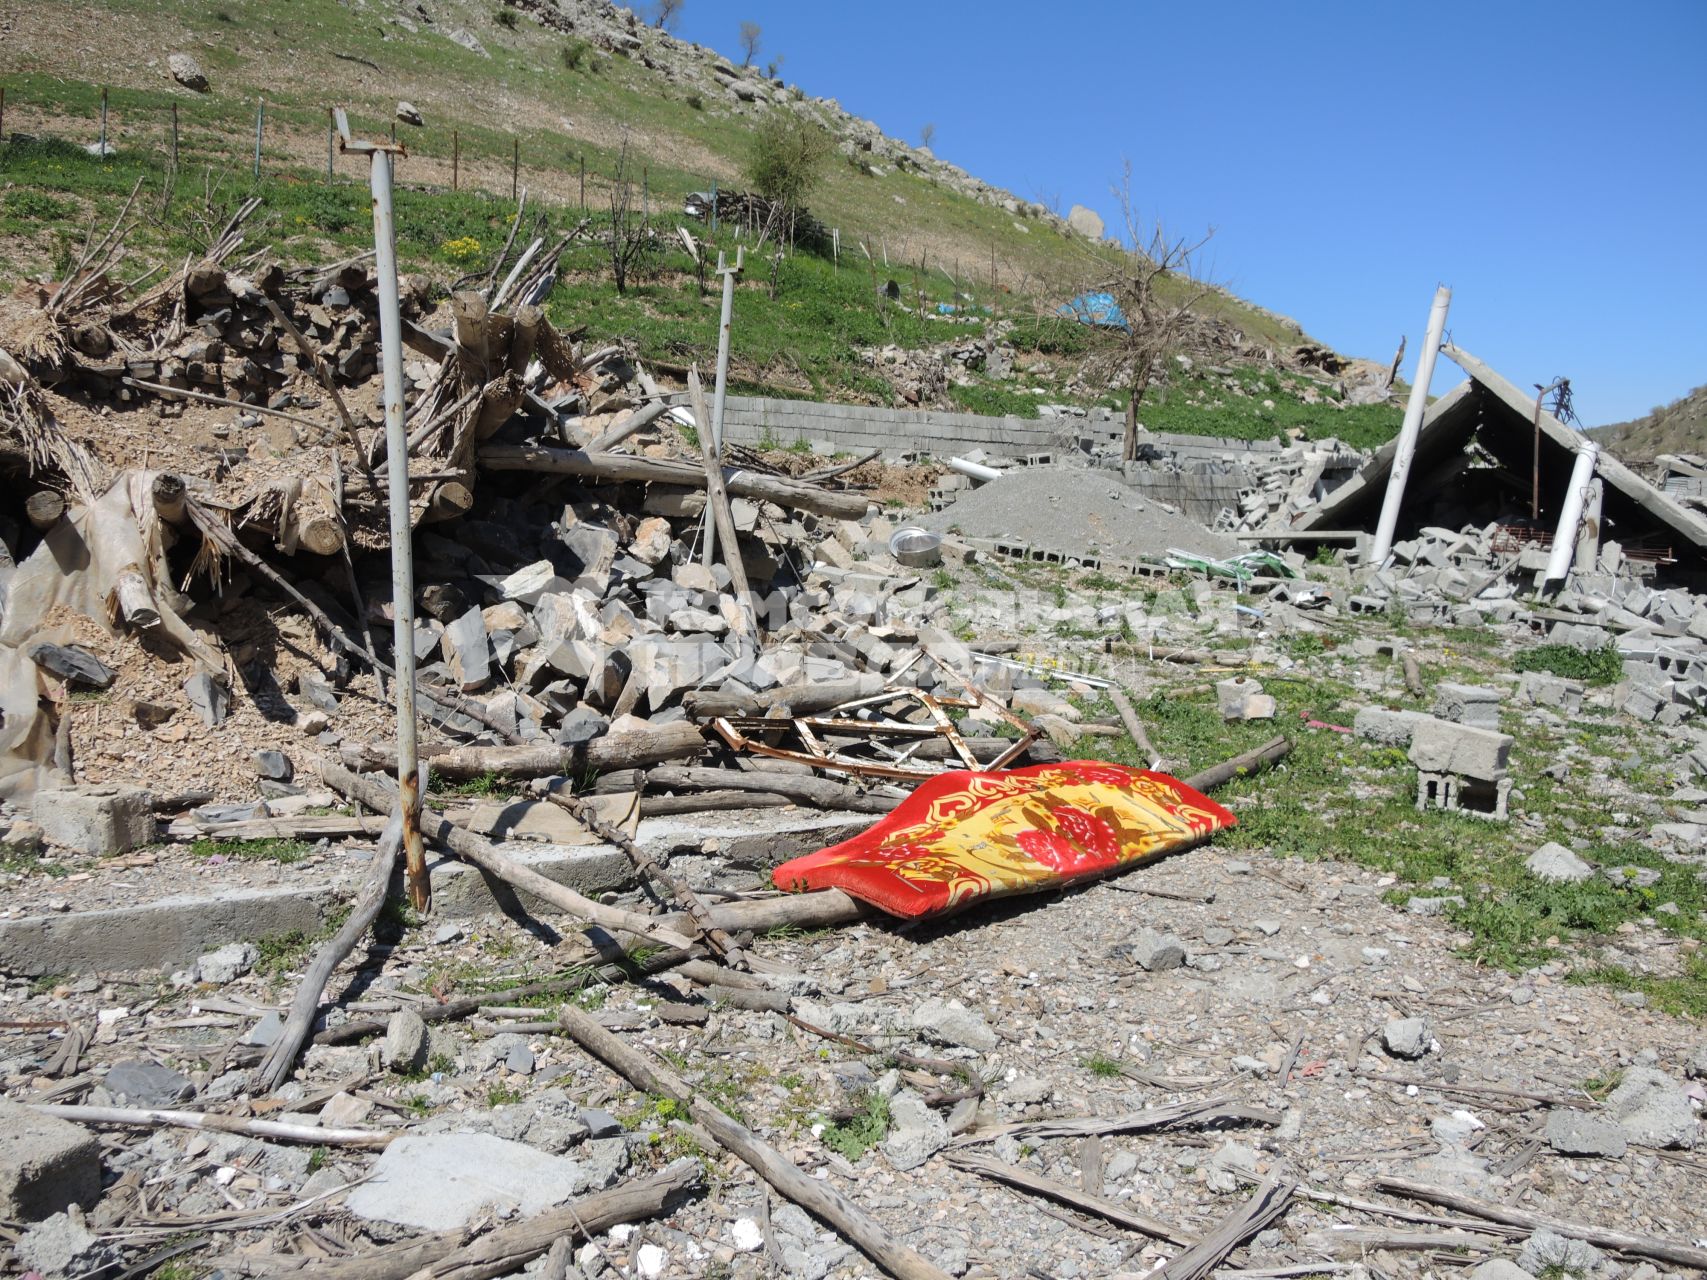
1084,1201
1268,1203
1645,1246
816,1197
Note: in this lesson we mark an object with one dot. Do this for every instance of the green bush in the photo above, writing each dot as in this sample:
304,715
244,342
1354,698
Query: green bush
785,161
1595,666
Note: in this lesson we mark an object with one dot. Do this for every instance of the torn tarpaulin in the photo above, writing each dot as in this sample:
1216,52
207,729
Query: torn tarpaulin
964,836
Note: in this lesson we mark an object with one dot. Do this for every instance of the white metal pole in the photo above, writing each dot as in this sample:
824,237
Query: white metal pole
402,546
1565,537
723,333
715,426
1407,443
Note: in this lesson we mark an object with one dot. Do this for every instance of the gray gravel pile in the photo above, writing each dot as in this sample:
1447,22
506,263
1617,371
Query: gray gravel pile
1077,513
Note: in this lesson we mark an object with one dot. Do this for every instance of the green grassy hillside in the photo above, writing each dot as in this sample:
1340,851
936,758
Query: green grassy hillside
548,95
1679,427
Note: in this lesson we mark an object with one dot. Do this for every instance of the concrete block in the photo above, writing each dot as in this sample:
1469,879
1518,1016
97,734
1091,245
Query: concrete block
1386,726
1467,704
1439,746
1542,690
46,1164
98,818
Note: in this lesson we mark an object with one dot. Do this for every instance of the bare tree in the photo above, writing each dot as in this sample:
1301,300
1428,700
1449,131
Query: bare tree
666,14
631,242
927,135
750,32
773,68
1155,282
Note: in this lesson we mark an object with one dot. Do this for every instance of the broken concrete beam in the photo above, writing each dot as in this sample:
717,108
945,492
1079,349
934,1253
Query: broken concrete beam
46,1164
99,818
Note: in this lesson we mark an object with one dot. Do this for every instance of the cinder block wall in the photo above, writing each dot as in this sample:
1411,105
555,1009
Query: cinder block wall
856,428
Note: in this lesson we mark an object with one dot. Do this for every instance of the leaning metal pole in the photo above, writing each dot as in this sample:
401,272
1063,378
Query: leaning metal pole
402,544
715,426
1407,442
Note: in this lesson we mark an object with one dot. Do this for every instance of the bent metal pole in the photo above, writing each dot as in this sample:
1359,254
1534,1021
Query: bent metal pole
1407,443
1571,514
402,546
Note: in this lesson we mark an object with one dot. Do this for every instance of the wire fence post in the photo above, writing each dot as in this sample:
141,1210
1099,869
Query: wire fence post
645,193
455,158
103,124
260,126
331,127
2,113
515,166
714,206
583,180
402,545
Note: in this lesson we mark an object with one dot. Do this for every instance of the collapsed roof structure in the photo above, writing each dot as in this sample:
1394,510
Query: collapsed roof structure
1476,464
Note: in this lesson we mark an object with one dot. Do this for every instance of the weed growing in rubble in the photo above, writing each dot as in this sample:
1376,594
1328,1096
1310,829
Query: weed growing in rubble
487,786
1602,1083
1102,1066
860,1132
1596,666
280,851
503,1095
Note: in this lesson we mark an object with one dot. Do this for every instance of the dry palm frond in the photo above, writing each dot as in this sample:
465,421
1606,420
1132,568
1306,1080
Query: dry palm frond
24,416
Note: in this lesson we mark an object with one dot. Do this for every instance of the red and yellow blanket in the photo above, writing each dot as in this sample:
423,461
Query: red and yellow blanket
965,836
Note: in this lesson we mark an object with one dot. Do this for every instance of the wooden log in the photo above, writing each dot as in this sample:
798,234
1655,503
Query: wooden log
817,1198
632,750
792,699
381,798
44,507
448,500
281,1057
524,337
170,492
723,518
135,601
622,467
468,316
1682,1255
617,432
450,1255
1135,727
1251,761
796,788
271,1130
315,531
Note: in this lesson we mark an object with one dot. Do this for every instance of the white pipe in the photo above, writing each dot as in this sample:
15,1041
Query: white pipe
977,470
1565,538
715,426
402,544
1407,445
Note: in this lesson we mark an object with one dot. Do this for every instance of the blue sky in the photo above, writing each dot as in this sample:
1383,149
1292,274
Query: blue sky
1549,162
